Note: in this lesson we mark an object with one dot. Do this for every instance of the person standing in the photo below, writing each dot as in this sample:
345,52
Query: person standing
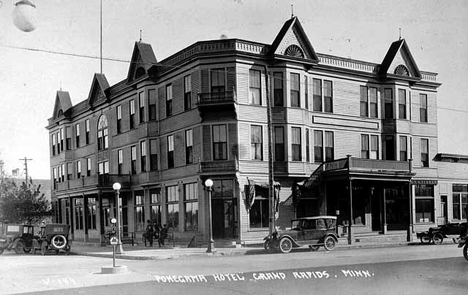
162,236
149,233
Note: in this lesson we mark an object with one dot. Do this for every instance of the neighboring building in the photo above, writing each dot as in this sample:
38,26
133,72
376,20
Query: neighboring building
202,113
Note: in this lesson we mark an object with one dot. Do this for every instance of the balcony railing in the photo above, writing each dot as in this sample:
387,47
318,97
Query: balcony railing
219,166
216,97
103,180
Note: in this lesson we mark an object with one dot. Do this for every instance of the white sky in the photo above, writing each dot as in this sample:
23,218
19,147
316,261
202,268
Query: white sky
435,31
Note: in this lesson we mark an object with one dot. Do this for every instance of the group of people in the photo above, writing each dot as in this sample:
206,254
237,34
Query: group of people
154,231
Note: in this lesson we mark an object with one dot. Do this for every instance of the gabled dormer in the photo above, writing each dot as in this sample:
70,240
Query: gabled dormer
62,105
98,92
399,63
143,59
292,43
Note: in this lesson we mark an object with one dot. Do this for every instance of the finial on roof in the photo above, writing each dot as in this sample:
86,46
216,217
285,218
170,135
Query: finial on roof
292,10
399,37
140,35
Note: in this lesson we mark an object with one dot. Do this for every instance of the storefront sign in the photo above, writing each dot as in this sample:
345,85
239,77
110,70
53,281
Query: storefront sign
428,182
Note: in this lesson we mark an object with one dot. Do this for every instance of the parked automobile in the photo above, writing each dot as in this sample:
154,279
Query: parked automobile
17,237
438,234
313,232
54,237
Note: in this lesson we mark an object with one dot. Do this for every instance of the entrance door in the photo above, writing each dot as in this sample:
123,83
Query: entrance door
443,207
223,215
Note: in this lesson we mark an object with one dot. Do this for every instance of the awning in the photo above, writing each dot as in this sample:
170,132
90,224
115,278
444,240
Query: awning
250,195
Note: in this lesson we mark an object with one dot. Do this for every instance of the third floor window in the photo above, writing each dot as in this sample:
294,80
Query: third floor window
255,87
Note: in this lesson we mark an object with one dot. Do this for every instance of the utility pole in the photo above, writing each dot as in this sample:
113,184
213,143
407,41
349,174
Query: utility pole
26,167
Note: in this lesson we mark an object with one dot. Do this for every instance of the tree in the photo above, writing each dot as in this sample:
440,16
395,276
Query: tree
22,204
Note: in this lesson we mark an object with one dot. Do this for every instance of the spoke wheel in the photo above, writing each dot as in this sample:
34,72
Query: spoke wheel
438,239
329,243
19,249
465,251
285,245
59,241
425,239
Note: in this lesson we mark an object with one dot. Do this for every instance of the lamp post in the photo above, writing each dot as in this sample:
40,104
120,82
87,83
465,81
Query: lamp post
117,186
210,249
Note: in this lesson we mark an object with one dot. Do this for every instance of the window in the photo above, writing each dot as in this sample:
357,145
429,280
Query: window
103,140
119,119
389,147
87,130
424,195
119,162
69,138
79,214
133,157
55,175
460,200
188,146
170,151
219,142
295,90
306,92
69,171
62,172
307,139
54,143
259,213
423,107
255,87
279,144
132,113
364,146
155,205
103,168
278,89
328,97
218,87
374,148
143,156
78,169
388,103
169,100
61,139
187,92
296,144
373,102
153,155
139,211
141,103
329,146
172,201
318,146
91,214
424,152
403,148
88,167
77,135
191,206
401,104
152,104
317,95
364,103
256,142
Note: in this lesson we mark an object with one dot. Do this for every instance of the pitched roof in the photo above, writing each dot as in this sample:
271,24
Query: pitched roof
99,83
142,57
395,48
62,103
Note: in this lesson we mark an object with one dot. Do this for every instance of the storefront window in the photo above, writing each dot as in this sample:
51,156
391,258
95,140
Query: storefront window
460,200
91,214
191,206
139,211
155,206
172,199
259,210
424,203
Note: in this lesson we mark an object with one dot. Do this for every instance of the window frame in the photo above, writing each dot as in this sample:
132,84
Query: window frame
295,90
256,142
255,87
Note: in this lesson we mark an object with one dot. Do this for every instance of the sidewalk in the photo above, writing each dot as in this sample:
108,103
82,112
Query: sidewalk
139,252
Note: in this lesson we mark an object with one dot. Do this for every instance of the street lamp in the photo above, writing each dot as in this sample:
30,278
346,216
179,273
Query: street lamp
209,184
117,186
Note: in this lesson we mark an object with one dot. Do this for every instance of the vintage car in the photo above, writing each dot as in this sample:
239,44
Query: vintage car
53,237
18,237
438,234
313,232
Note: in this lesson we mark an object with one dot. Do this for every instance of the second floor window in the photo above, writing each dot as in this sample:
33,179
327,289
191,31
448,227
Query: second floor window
88,167
401,104
119,118
317,95
329,146
133,157
152,104
143,156
318,146
187,92
69,138
219,142
169,100
373,106
188,146
364,102
170,151
278,89
279,144
256,142
403,148
141,102
153,155
424,152
119,162
254,87
296,144
295,90
328,96
77,135
103,136
132,113
87,131
78,169
423,108
54,143
388,103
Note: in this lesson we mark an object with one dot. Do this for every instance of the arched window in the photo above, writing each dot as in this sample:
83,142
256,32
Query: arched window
294,51
140,72
401,70
103,133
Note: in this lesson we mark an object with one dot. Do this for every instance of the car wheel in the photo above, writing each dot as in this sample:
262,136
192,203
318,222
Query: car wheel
313,248
44,247
285,245
329,243
19,249
465,251
425,239
59,241
438,239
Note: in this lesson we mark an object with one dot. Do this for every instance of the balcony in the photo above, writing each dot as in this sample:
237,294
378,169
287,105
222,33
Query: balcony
214,167
102,181
218,103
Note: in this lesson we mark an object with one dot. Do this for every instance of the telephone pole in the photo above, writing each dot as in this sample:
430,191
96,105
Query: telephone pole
26,166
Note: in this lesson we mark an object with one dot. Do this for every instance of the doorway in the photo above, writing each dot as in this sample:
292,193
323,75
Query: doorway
223,212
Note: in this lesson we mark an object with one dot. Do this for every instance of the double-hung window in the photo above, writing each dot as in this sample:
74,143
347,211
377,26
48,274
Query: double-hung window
87,131
219,142
77,135
133,157
141,102
317,95
329,146
295,90
364,102
218,84
256,142
119,119
401,104
153,155
424,197
169,100
69,138
189,146
191,206
328,96
132,113
152,104
170,151
255,87
278,89
120,162
388,103
187,92
318,146
172,201
423,107
403,148
143,156
296,144
424,152
279,143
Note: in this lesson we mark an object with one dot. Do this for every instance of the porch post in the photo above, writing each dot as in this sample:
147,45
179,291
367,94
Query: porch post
409,234
350,236
384,214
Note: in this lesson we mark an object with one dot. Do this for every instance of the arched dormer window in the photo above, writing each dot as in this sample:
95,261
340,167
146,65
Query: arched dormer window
294,51
103,133
140,72
60,113
401,70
